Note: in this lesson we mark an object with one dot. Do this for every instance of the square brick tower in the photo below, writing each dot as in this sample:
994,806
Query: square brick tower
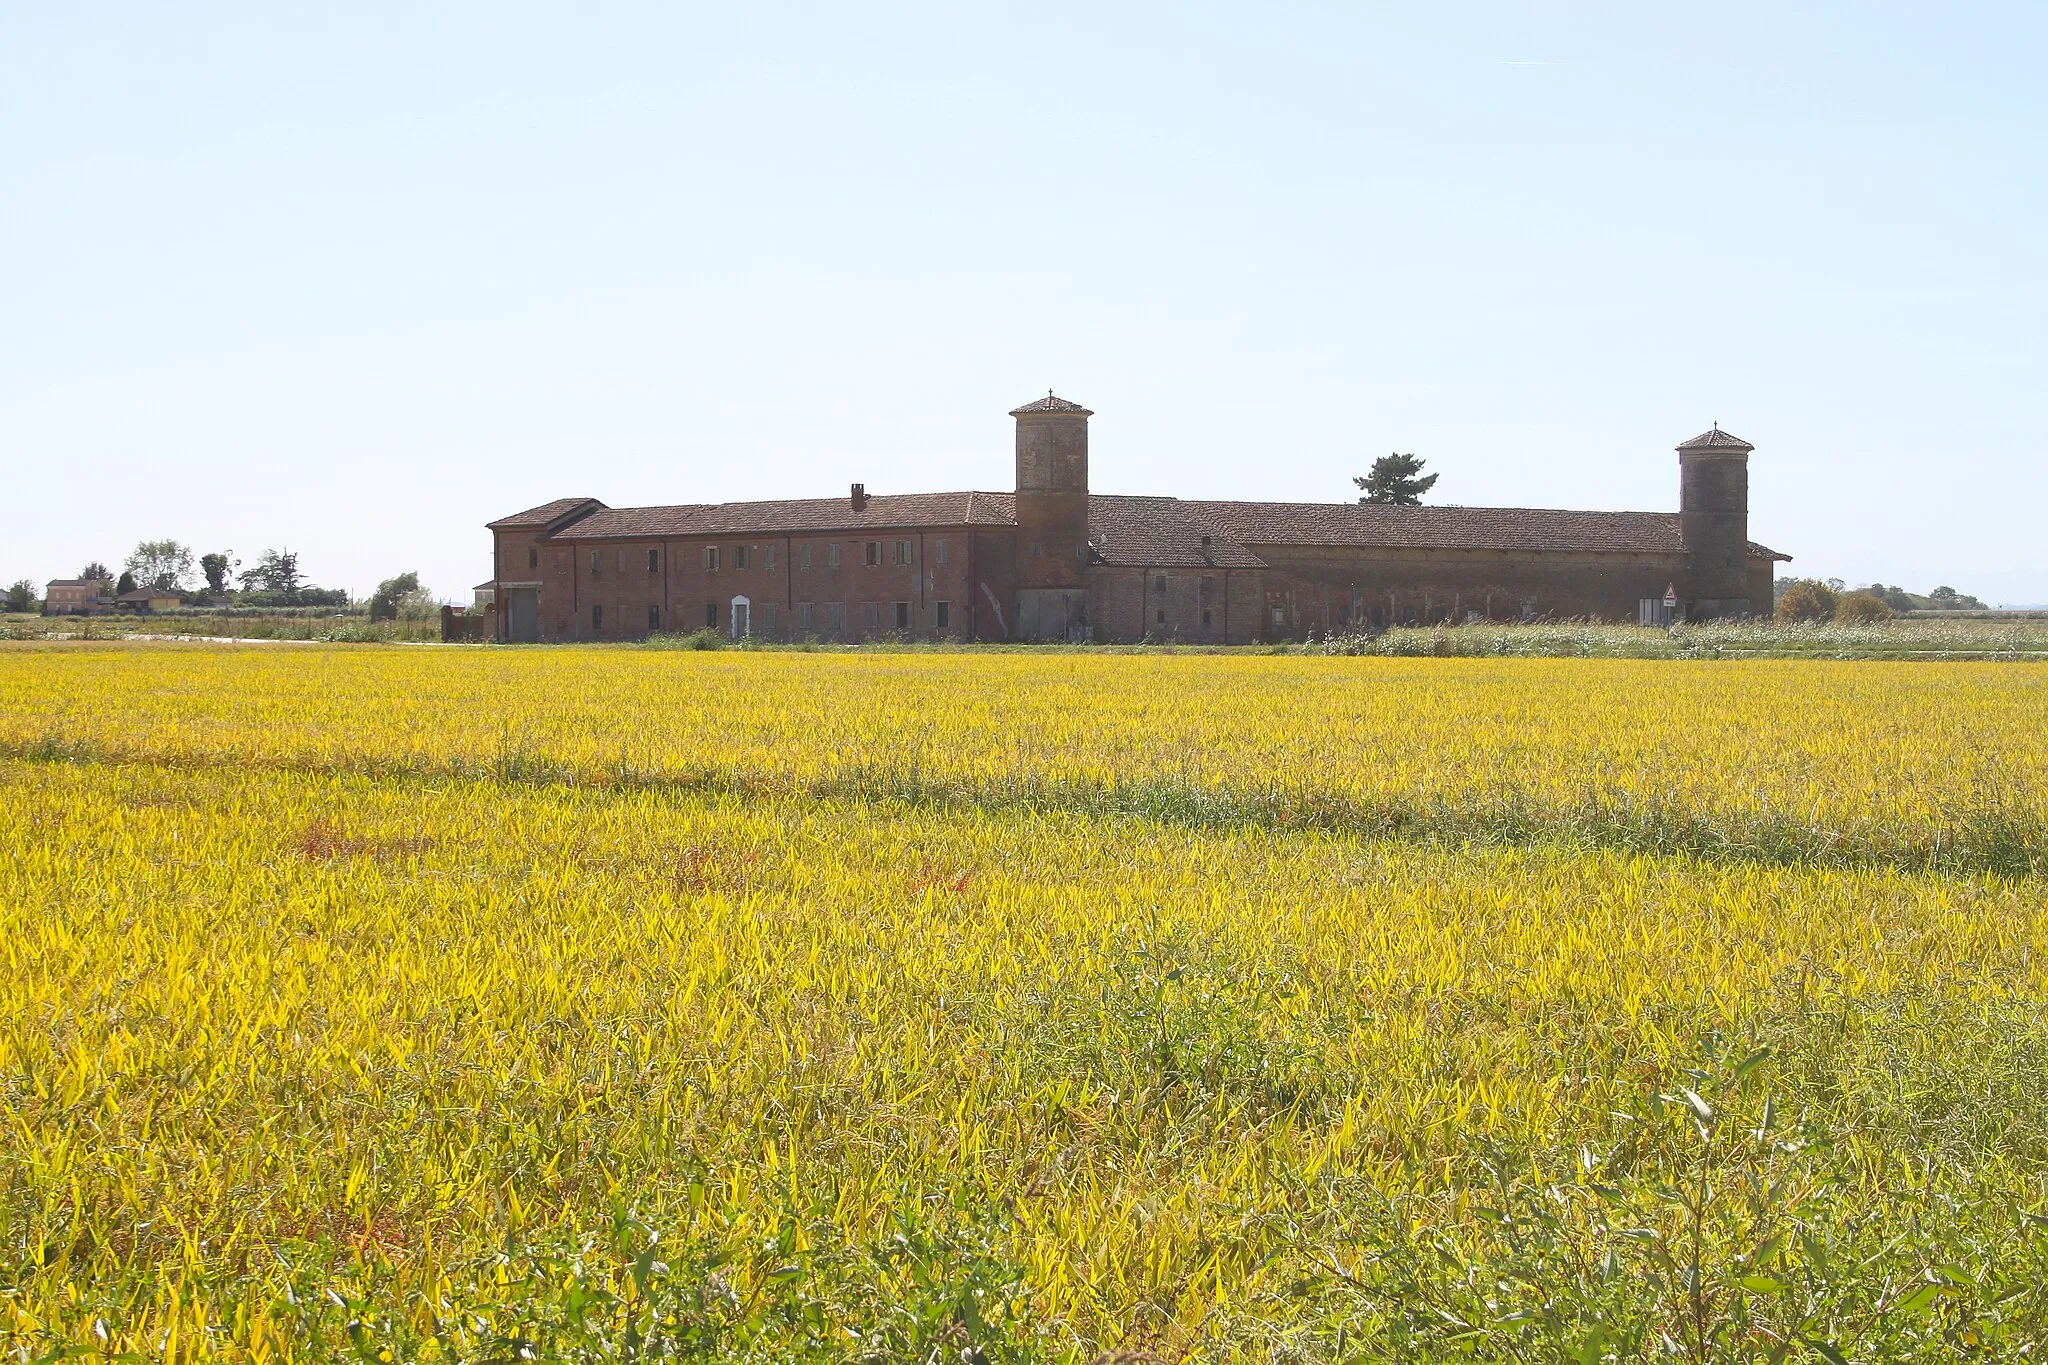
1052,519
1713,517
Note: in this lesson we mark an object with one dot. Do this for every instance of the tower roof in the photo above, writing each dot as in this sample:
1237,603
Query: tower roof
1716,439
1050,403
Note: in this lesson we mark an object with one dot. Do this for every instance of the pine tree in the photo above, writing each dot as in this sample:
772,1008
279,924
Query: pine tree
1396,479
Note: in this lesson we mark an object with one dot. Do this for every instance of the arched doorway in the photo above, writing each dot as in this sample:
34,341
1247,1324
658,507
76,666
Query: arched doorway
742,618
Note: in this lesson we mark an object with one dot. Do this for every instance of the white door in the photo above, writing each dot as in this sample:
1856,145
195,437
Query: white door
742,614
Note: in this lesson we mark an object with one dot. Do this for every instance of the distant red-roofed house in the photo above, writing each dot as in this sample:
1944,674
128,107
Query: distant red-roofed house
1051,560
148,600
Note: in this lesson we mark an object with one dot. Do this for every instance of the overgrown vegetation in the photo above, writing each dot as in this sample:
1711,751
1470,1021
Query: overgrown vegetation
1838,637
228,623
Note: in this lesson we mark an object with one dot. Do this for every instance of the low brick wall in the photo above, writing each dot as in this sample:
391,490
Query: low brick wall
459,626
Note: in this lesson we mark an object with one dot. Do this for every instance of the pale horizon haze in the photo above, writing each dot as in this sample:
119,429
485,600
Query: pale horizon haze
356,280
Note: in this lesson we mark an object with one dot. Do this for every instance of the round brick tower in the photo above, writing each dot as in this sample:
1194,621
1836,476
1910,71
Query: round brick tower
1713,517
1052,518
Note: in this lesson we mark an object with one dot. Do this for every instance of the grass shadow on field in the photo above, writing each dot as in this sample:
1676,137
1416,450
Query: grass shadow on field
1987,835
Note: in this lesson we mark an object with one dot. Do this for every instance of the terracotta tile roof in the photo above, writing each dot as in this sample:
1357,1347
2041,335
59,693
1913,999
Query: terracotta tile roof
77,583
1147,531
542,515
1717,439
882,511
1160,533
1050,404
1467,528
605,523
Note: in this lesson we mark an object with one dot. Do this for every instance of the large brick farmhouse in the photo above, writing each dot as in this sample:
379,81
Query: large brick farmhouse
1052,561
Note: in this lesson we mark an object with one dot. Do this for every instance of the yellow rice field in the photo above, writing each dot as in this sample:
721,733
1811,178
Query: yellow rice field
1898,761
578,1004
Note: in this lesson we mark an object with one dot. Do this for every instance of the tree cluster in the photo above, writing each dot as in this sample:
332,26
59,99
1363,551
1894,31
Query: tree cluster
275,580
1814,599
403,595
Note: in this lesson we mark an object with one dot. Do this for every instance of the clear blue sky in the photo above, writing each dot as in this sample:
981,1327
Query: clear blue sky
355,279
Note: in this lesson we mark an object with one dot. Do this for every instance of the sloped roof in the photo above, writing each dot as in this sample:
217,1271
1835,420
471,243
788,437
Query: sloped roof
1160,533
1437,528
1152,531
543,515
1050,404
1384,525
1717,439
879,512
146,594
76,583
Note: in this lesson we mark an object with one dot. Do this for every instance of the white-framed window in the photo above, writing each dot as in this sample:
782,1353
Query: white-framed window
654,559
872,553
803,555
832,555
939,549
711,561
739,557
1279,616
902,552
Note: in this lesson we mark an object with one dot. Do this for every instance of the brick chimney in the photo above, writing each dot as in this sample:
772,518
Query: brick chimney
860,497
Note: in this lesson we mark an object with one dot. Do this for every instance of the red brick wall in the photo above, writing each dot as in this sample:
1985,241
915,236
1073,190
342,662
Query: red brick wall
518,556
1127,604
686,595
1762,585
1056,525
991,584
1319,589
1322,589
